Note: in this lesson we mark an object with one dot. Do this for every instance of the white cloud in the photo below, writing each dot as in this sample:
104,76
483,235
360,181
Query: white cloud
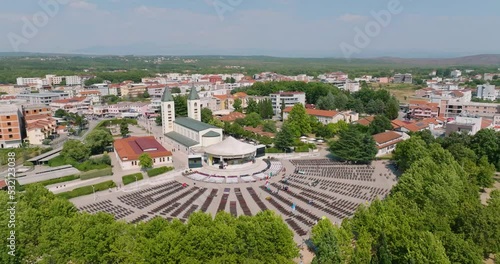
83,5
352,18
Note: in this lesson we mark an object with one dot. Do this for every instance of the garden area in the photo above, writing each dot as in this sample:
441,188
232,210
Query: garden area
157,171
131,178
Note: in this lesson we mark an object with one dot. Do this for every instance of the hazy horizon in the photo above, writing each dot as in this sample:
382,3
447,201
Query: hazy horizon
279,28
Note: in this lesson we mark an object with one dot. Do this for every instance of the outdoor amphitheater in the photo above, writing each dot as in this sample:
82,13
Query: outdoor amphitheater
301,190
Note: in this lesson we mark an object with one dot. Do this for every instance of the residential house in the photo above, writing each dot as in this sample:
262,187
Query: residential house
423,109
386,142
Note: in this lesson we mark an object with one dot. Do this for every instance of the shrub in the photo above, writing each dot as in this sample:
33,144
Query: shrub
128,179
273,150
87,190
96,173
158,171
302,149
28,164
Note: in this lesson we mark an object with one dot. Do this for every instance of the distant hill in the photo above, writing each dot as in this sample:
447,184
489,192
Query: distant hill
482,60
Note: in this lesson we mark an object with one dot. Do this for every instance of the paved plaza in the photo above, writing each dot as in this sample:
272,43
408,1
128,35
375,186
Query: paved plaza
316,188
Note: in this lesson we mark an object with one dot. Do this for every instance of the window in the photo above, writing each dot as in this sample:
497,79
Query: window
10,129
8,123
10,136
8,117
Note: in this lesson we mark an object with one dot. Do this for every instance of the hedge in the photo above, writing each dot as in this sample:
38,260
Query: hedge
158,171
59,180
128,179
302,149
96,173
105,123
85,190
274,150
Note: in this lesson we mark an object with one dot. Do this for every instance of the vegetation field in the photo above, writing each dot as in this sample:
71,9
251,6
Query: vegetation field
128,179
87,190
157,171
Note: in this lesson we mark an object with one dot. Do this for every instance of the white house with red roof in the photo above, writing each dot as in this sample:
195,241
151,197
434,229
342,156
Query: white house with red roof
386,142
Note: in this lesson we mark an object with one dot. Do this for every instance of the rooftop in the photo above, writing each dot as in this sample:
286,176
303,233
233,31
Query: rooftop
185,141
385,137
132,147
211,134
315,112
192,124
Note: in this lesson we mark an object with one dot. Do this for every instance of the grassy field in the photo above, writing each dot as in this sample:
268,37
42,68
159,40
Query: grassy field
403,92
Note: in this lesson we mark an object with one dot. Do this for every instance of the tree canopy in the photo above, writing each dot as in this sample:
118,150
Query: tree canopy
354,146
75,150
50,230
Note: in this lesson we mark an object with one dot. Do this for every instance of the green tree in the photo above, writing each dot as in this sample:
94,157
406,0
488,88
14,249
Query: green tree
180,105
145,94
269,126
354,146
75,150
98,140
252,106
285,137
237,105
230,80
325,237
159,120
253,120
409,151
206,115
375,107
175,90
380,124
124,128
486,173
299,120
60,113
145,161
326,102
265,108
487,143
392,109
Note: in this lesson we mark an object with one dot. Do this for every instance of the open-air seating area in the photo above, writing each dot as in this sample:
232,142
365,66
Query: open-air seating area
188,202
172,201
197,176
243,203
107,207
140,218
247,178
209,200
232,179
143,198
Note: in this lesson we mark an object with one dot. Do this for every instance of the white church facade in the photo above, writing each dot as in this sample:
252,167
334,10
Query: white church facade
186,133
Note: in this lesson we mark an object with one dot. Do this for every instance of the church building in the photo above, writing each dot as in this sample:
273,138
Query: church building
186,133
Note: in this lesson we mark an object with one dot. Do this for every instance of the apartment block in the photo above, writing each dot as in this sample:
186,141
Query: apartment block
42,98
11,127
288,98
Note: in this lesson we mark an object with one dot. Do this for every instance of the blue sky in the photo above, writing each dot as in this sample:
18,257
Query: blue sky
296,28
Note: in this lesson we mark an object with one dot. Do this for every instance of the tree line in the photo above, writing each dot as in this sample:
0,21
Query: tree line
433,215
49,229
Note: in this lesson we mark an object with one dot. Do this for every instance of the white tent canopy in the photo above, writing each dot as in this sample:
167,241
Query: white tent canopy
230,147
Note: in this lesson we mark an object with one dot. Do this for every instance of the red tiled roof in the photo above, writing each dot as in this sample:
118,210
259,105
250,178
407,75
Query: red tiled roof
89,92
232,117
70,100
366,121
240,95
3,184
132,147
485,123
222,97
385,137
259,130
315,112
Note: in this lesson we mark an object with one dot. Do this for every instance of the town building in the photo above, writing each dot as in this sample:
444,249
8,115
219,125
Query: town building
386,142
289,99
403,78
464,124
11,127
452,109
487,92
327,116
456,73
423,109
81,105
187,133
496,123
128,150
42,98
